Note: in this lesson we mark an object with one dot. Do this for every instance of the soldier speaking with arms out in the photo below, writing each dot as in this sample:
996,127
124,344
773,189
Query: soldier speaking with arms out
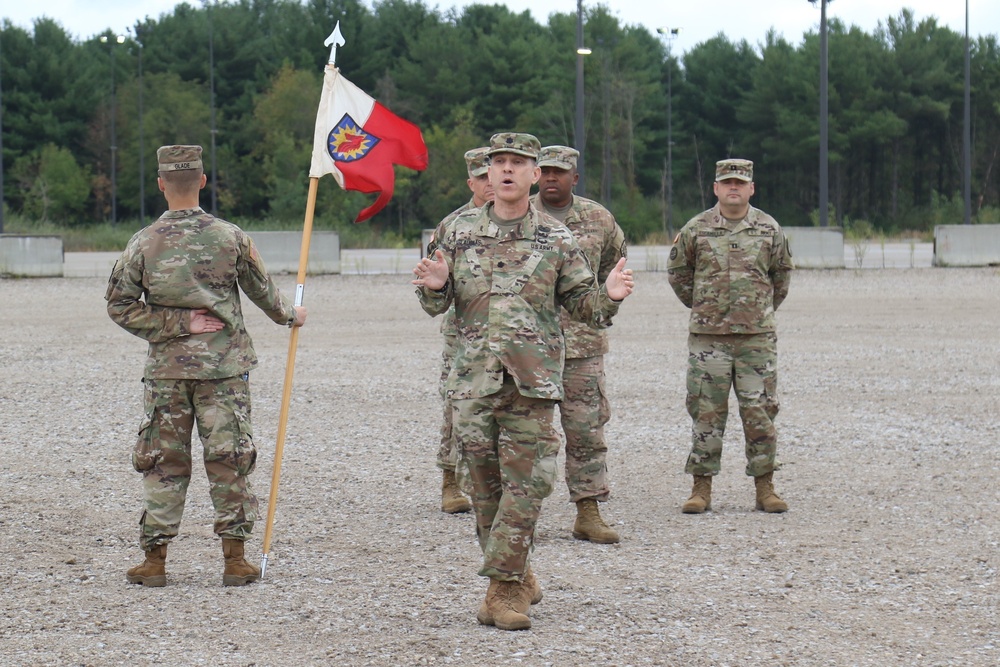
177,285
730,266
508,268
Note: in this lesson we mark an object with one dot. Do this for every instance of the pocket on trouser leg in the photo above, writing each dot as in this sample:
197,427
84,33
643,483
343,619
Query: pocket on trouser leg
249,513
605,405
147,453
693,400
546,469
770,398
246,452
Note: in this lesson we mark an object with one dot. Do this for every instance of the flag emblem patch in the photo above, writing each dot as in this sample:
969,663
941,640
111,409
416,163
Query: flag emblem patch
348,142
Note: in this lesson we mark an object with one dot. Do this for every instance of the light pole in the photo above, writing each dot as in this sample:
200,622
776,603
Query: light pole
1,138
118,39
967,125
211,88
142,147
669,34
824,128
579,138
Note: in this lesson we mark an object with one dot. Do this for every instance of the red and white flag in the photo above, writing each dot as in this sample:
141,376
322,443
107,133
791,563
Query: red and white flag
358,141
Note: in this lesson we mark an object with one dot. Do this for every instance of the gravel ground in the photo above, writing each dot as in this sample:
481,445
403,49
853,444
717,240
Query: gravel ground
889,436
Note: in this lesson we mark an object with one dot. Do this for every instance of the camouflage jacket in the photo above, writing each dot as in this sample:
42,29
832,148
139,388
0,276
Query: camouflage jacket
603,242
732,276
186,260
507,292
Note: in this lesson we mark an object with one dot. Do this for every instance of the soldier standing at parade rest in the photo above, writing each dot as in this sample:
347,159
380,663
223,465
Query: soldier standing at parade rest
730,266
584,409
177,285
452,499
508,268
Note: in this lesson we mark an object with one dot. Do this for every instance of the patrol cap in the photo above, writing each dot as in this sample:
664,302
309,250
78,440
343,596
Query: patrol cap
560,157
738,169
514,142
476,161
178,158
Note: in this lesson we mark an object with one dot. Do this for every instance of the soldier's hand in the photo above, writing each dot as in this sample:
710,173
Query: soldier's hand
620,283
202,322
432,273
300,316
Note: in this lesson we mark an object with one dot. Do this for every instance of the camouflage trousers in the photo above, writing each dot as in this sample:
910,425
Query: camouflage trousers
748,364
447,457
221,410
509,476
583,412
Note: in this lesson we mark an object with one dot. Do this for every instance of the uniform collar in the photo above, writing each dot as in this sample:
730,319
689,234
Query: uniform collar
572,213
183,213
748,221
528,228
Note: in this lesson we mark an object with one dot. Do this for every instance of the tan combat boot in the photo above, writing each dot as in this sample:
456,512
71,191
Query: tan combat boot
452,500
238,572
701,496
531,588
590,526
150,572
506,606
767,499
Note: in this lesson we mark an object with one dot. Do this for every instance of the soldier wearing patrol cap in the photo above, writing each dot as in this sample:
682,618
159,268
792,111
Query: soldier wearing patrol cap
453,501
507,268
730,265
177,286
584,409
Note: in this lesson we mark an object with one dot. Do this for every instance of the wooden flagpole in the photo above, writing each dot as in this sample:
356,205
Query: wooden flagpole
333,41
293,342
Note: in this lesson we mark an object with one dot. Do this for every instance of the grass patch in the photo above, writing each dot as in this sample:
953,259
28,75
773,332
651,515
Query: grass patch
105,237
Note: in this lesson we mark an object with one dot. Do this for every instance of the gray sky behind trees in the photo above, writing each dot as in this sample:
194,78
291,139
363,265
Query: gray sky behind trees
698,22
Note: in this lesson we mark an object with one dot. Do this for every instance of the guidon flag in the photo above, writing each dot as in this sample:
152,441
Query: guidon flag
358,141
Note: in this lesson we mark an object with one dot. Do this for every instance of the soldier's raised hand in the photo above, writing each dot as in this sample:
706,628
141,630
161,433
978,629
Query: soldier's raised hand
620,283
432,273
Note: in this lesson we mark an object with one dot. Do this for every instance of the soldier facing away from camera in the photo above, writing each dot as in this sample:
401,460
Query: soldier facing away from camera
177,286
731,266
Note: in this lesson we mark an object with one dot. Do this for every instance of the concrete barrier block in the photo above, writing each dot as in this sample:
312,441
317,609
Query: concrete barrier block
281,250
966,245
816,247
26,256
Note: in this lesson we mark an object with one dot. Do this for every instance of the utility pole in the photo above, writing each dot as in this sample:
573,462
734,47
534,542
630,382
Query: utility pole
967,125
824,119
1,136
580,134
211,86
669,34
142,147
117,39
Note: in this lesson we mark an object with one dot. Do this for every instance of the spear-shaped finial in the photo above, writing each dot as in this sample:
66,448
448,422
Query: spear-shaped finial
335,39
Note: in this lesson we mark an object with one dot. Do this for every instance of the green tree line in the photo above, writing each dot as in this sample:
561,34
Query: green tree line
252,70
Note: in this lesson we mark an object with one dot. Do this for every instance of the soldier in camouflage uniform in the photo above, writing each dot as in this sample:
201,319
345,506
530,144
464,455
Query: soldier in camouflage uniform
452,499
584,409
177,286
730,266
508,268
